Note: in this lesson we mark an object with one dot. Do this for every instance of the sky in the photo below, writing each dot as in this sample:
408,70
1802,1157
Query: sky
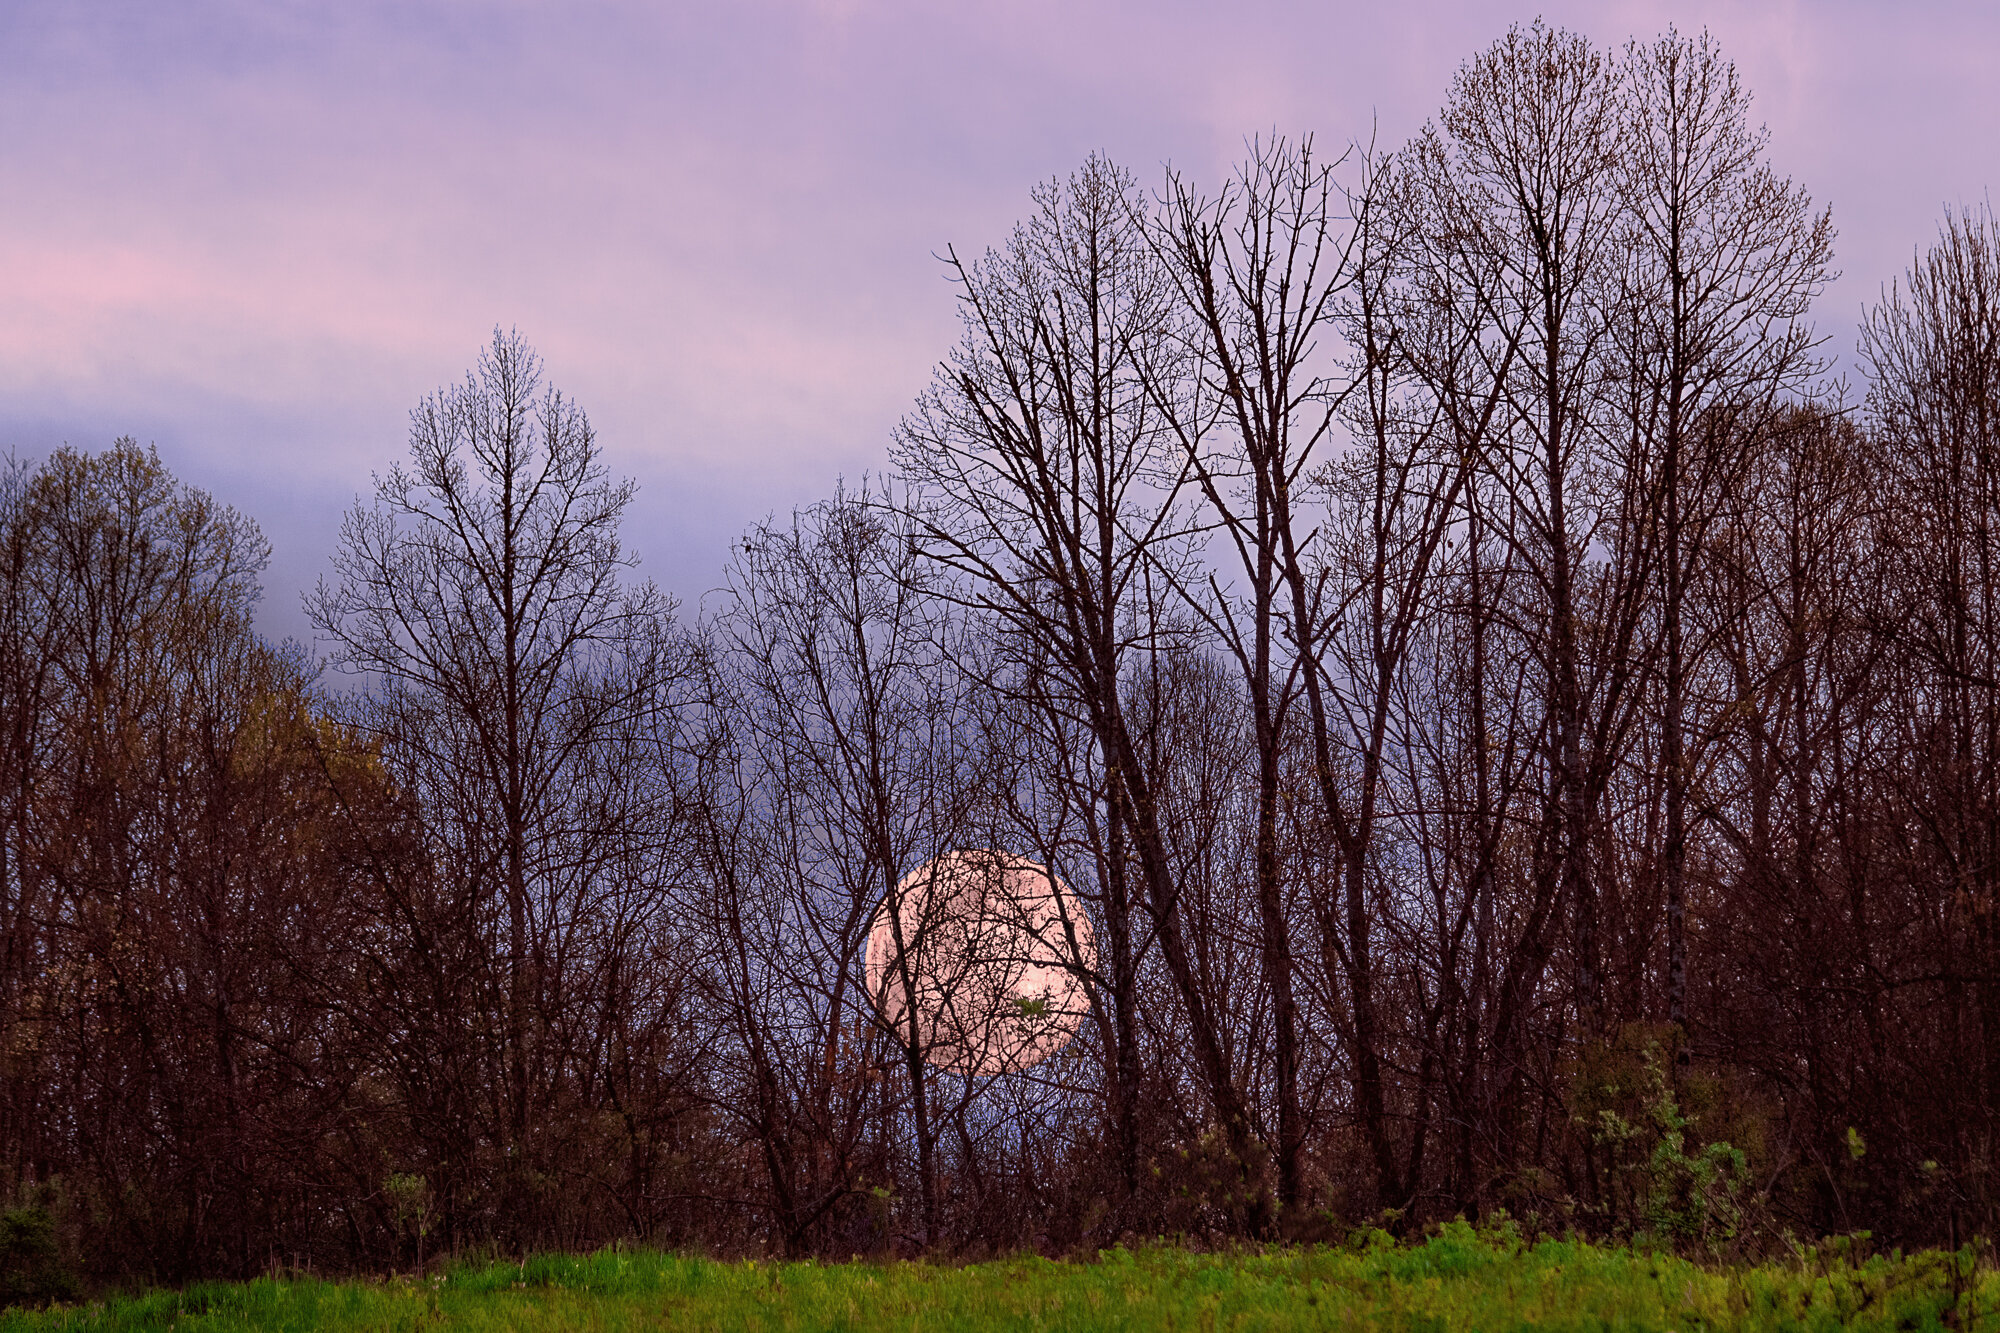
255,235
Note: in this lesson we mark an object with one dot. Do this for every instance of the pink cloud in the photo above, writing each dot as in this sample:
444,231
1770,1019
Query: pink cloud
262,232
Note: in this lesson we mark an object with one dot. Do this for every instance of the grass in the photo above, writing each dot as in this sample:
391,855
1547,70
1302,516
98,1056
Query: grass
1456,1280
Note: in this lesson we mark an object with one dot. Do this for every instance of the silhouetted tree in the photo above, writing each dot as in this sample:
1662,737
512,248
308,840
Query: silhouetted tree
517,681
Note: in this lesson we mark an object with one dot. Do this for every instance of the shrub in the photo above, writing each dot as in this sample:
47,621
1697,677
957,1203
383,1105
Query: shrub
32,1267
1659,1183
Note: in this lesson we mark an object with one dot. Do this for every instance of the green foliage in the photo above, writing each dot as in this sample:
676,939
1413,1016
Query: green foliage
32,1268
1657,1182
1207,1190
412,1206
1458,1278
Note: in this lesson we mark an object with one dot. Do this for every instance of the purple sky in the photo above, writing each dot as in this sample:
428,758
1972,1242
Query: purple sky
257,233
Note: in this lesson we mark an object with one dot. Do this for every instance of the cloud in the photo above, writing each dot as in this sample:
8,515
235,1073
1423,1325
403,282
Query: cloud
262,231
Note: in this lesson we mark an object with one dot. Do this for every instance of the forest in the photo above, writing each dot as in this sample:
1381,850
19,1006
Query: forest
1525,734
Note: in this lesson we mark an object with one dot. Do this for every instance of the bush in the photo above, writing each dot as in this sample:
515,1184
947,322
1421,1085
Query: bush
32,1268
1658,1182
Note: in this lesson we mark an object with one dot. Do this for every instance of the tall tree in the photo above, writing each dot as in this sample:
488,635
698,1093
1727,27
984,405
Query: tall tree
846,758
1259,268
176,862
1515,227
1727,257
1933,350
515,675
1047,486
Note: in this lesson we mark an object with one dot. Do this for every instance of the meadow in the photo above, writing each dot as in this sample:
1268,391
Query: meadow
1457,1279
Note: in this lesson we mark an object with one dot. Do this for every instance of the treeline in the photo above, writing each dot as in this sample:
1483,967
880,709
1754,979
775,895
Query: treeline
1523,740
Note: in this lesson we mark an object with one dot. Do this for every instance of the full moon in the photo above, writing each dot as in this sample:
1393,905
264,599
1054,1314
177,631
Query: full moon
990,950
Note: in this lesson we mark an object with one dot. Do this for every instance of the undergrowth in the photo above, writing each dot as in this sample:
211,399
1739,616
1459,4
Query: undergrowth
1459,1278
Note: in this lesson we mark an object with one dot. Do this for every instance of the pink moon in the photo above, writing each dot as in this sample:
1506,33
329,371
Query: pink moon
993,949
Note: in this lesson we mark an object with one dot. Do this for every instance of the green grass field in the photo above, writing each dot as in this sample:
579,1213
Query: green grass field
1456,1280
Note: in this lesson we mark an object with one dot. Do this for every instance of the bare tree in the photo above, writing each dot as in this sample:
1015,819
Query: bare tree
1933,350
1726,259
1046,486
1259,268
174,872
514,676
849,760
1521,172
